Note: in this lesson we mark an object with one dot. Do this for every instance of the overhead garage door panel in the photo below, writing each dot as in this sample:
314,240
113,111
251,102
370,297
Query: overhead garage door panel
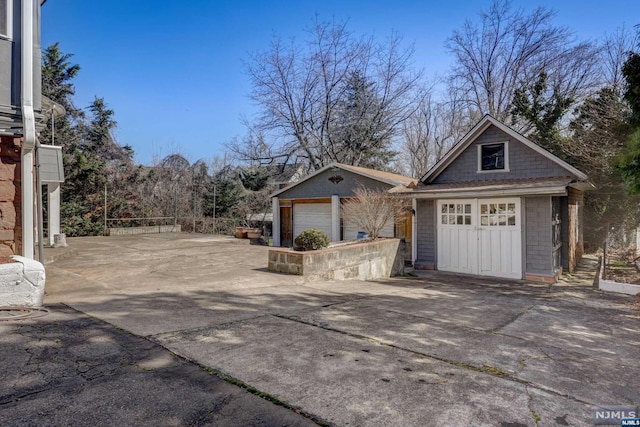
311,215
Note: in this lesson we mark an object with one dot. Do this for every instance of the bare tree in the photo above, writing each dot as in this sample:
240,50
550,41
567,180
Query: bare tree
430,132
371,210
615,51
302,91
509,50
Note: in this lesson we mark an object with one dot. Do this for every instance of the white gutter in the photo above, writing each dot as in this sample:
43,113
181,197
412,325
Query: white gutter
29,128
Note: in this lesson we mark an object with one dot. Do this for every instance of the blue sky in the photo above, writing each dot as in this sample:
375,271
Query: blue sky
174,71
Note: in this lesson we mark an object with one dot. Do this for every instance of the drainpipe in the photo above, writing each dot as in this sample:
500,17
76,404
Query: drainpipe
29,128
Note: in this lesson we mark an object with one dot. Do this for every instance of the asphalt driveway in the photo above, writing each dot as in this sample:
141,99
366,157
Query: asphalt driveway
415,351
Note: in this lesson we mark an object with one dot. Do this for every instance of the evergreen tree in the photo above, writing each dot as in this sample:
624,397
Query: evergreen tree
362,135
91,156
629,161
542,108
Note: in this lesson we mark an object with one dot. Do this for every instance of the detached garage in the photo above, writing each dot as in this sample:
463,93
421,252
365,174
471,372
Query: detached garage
314,202
499,205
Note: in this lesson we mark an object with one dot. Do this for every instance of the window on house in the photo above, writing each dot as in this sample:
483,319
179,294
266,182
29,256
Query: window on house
5,18
493,157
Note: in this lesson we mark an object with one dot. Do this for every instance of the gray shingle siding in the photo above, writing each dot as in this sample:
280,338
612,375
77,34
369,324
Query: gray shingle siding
538,246
6,72
426,232
523,162
320,186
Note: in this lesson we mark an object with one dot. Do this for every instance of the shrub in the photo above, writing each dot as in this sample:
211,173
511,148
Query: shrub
312,239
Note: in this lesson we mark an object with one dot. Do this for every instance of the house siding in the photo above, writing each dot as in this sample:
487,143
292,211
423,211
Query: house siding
426,234
538,239
10,71
6,66
320,186
523,162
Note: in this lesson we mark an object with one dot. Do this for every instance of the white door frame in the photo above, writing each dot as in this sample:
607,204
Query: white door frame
480,236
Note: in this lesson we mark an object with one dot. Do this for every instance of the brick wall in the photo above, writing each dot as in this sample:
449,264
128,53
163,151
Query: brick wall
538,238
10,197
426,234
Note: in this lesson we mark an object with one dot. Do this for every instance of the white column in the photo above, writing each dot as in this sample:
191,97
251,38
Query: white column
53,190
335,218
275,225
27,203
414,231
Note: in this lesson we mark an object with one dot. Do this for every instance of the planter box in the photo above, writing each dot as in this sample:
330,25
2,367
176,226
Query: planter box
613,286
363,261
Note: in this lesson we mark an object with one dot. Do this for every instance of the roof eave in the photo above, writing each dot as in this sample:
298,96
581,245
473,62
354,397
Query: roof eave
480,127
555,190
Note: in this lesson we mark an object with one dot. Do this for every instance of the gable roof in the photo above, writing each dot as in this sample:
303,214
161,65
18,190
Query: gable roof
390,178
476,131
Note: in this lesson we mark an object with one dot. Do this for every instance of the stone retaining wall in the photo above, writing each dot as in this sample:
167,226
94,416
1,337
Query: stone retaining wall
128,231
363,261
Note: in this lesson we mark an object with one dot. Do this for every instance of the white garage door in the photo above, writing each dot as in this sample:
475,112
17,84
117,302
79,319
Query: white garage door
350,230
311,215
480,236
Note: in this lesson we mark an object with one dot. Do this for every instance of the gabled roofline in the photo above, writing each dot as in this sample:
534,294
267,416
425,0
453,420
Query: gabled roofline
480,127
356,170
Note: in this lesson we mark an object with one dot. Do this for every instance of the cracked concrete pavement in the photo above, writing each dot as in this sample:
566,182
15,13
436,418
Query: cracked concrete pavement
435,349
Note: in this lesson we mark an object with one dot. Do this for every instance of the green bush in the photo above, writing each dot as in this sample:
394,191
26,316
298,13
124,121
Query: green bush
312,239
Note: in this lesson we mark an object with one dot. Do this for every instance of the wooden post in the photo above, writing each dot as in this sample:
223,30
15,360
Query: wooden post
105,208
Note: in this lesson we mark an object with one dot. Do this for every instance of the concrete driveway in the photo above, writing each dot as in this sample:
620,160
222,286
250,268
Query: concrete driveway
433,350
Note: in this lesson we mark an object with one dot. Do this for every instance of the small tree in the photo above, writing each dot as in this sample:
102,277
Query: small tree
371,210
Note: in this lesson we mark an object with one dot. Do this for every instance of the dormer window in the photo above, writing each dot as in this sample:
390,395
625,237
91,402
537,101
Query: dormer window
493,157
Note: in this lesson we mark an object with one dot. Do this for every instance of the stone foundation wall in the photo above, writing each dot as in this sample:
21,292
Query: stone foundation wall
128,231
10,196
364,261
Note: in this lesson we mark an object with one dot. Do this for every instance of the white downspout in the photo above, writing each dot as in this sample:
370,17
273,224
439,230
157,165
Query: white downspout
29,128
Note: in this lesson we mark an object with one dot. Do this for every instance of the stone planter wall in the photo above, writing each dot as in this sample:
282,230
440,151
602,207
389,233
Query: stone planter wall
22,283
364,261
